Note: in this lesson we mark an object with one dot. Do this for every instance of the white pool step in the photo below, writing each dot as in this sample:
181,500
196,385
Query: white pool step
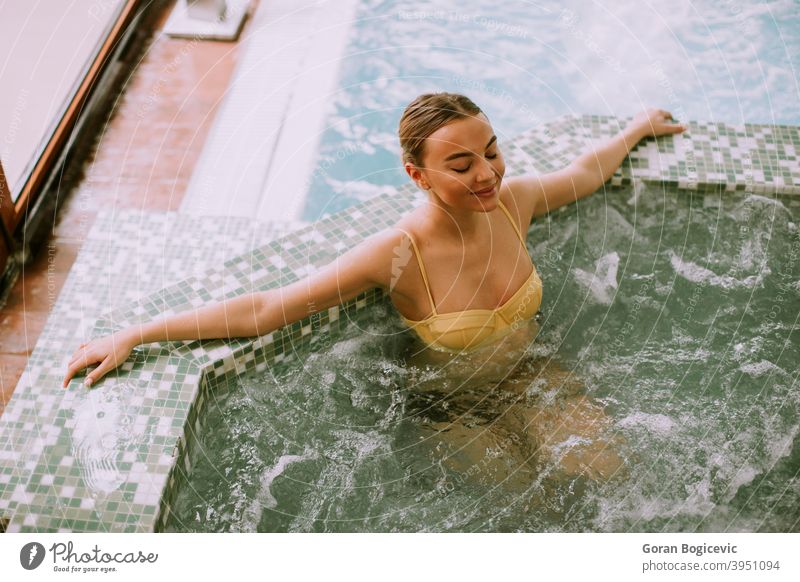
260,152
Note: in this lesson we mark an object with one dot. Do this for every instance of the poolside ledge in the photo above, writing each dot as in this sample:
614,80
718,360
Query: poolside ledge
111,458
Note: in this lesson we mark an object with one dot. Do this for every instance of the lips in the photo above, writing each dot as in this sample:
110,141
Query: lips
486,192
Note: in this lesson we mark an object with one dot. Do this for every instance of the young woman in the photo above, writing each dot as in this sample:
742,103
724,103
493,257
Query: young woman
456,268
471,280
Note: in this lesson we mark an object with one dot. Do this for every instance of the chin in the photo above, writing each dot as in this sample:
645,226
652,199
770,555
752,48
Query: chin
486,204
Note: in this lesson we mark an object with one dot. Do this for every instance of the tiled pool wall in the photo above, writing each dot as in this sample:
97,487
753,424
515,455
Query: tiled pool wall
126,255
112,458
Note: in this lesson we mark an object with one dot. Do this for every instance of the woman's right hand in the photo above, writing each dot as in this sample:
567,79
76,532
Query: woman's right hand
110,351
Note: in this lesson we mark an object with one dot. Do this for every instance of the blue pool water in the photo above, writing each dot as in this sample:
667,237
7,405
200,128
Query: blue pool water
665,362
661,392
525,63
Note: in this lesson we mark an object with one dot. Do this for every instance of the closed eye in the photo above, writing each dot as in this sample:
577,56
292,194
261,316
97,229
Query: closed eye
493,156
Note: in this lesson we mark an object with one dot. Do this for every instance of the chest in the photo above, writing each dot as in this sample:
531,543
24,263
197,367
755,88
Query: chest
462,279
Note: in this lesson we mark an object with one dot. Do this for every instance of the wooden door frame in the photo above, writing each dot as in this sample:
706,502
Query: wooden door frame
37,177
6,222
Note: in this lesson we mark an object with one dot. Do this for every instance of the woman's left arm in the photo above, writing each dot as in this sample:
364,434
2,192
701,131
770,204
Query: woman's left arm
592,169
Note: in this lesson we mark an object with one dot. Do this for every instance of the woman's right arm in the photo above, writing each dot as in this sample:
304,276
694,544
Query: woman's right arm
365,266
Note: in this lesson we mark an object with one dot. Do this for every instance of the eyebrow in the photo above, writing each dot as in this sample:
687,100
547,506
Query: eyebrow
463,154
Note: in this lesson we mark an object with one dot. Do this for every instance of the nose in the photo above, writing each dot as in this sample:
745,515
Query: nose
486,172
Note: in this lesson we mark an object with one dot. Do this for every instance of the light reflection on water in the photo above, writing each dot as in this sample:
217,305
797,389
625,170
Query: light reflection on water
665,400
525,63
661,391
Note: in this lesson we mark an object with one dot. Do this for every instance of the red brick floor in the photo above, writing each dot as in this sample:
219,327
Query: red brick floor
141,159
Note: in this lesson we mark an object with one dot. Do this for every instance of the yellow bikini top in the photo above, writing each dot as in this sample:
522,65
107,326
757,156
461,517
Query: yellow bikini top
474,328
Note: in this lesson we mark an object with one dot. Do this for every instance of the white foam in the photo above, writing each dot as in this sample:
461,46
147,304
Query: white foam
328,378
572,441
658,423
758,369
743,476
765,200
252,514
603,282
696,274
781,446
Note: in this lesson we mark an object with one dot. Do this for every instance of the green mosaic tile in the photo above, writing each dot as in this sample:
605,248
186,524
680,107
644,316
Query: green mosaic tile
143,419
127,255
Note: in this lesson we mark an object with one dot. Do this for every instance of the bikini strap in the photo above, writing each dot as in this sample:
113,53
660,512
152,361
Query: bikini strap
514,224
422,270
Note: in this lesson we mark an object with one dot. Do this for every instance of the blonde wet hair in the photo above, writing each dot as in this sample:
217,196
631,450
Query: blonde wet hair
427,113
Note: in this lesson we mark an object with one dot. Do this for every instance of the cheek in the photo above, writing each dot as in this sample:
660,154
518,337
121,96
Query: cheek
454,182
500,165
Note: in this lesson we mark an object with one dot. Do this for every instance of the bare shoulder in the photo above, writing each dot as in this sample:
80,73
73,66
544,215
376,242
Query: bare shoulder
521,206
376,253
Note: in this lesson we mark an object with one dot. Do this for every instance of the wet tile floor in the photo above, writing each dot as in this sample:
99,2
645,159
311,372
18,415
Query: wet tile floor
142,158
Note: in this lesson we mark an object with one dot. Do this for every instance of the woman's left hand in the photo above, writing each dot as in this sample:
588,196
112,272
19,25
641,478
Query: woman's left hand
655,122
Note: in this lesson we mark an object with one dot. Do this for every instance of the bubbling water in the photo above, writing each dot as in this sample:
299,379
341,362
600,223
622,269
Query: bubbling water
655,391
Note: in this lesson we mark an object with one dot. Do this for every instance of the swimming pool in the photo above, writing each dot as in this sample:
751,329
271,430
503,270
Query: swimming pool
675,344
526,63
668,324
669,327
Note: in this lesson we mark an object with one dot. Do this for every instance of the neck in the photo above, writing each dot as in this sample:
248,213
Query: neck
458,223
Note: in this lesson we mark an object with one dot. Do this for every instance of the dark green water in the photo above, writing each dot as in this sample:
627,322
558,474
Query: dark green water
661,394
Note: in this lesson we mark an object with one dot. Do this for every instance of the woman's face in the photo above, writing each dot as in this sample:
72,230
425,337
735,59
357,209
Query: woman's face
459,159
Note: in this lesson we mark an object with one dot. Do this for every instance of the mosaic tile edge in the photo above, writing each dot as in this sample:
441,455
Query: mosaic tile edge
662,160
